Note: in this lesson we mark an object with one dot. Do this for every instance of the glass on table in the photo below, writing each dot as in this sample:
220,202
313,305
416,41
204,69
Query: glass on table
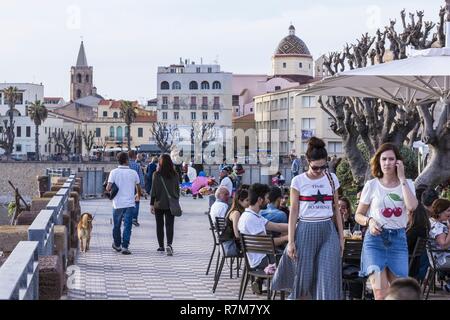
357,235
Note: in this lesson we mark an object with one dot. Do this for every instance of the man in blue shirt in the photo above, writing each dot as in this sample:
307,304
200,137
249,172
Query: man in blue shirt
273,212
136,167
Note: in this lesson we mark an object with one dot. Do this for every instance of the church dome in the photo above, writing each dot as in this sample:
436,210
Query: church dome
292,45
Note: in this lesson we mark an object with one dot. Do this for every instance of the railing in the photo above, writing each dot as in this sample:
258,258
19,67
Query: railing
19,275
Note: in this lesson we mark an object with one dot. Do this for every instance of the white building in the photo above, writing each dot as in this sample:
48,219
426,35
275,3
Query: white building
191,94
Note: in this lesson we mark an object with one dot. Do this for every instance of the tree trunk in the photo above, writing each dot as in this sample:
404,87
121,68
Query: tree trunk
36,141
358,165
128,138
11,132
438,167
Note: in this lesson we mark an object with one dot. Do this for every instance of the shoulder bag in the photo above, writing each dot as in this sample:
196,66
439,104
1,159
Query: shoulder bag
174,204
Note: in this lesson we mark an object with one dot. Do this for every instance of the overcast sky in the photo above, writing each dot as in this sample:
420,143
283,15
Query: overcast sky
126,41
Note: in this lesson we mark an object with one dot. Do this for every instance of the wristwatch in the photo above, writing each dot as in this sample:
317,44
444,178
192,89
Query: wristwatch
368,220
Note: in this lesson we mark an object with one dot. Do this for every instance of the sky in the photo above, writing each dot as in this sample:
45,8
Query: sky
126,40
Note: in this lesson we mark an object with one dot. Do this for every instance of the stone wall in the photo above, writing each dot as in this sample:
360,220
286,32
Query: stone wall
23,176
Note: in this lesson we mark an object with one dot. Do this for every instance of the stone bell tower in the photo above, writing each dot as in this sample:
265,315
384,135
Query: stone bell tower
81,77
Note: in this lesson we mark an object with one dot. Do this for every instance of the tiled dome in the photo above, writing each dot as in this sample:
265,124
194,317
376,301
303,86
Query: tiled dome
292,45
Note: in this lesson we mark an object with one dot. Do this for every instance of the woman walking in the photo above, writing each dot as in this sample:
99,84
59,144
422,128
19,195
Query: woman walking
312,267
164,178
384,206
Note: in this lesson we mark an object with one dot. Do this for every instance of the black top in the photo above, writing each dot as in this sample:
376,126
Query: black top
158,194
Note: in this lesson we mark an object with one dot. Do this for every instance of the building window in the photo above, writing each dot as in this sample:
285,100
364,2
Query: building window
237,110
172,70
209,70
308,101
105,113
235,100
308,128
217,85
284,64
165,101
205,115
79,78
198,69
277,88
87,78
1,96
140,132
216,116
176,116
205,85
115,115
18,148
251,109
45,148
193,85
28,131
334,147
98,132
176,85
216,102
45,130
19,132
193,101
176,102
164,115
111,132
165,85
193,116
300,65
78,94
204,101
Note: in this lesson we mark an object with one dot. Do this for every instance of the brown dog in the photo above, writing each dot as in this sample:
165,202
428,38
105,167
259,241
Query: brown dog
84,229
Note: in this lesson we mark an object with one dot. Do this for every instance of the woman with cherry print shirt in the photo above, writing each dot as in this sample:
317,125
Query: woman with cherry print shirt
384,207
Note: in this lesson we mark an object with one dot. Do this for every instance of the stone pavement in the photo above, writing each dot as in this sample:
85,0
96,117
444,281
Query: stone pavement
148,274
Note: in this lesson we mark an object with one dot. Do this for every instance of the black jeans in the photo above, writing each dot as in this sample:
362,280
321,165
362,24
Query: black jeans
160,216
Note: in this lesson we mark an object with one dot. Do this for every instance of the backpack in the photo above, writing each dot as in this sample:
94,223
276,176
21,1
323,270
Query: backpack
239,169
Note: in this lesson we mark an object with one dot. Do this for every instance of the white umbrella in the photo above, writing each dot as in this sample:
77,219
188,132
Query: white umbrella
422,77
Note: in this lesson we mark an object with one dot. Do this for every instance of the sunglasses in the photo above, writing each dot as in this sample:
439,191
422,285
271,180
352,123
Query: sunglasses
314,168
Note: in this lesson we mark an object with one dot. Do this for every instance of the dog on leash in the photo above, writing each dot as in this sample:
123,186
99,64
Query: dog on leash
84,229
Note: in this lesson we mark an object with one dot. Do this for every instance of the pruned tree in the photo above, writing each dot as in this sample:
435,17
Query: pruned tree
163,134
63,140
88,139
370,120
202,134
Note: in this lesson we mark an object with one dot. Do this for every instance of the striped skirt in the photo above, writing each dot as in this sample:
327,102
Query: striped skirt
316,273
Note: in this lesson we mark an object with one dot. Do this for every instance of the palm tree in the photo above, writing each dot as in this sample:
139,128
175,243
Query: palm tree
11,95
129,113
38,113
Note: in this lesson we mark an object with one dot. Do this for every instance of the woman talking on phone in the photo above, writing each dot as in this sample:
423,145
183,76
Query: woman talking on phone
385,203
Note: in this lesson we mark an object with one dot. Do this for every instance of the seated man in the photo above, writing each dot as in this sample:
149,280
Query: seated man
404,289
220,206
273,212
251,222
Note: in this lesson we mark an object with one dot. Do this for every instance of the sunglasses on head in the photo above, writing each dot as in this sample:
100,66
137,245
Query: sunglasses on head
314,168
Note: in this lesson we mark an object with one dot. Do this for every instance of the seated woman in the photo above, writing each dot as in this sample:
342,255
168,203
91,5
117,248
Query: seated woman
439,232
199,182
231,236
346,211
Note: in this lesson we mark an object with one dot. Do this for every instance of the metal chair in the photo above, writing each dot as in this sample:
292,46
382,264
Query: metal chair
434,269
419,249
216,243
350,267
261,244
220,227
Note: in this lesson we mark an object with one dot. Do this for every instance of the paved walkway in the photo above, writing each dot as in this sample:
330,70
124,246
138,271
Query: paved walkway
148,274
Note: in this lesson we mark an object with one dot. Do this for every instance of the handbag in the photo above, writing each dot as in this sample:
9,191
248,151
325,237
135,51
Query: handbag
174,204
333,191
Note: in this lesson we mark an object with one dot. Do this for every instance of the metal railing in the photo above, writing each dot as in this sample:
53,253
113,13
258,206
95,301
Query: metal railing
19,275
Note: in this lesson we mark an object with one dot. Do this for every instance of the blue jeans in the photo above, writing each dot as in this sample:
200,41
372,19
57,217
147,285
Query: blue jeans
127,215
136,211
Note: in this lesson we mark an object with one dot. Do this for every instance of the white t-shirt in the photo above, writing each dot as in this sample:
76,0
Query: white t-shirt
438,228
253,223
126,180
218,209
227,183
386,204
192,174
316,197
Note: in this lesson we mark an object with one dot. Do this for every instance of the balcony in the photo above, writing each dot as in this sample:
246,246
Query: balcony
164,107
204,107
193,106
176,106
216,106
118,140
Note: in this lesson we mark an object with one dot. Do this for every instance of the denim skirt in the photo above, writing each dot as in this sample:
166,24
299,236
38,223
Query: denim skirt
387,250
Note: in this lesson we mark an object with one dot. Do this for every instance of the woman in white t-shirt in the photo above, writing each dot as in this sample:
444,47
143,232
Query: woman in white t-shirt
311,265
384,207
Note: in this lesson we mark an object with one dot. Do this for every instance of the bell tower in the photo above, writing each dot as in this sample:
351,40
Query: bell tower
81,77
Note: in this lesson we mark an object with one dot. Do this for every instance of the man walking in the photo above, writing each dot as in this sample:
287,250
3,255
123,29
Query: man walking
127,181
136,167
